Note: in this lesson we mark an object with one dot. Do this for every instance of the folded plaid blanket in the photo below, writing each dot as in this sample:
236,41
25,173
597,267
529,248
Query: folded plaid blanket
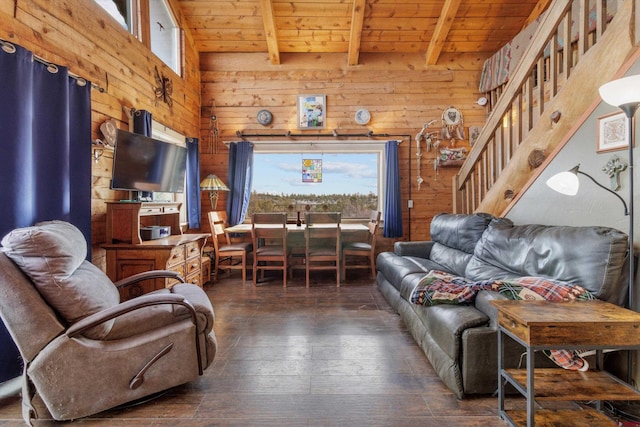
439,287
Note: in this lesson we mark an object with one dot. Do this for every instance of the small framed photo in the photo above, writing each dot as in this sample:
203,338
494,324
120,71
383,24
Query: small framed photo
312,111
613,132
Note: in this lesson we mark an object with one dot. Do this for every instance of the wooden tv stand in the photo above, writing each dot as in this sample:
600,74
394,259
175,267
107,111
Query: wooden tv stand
124,219
127,254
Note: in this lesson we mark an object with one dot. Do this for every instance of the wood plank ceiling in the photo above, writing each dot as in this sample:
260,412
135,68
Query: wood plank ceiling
429,27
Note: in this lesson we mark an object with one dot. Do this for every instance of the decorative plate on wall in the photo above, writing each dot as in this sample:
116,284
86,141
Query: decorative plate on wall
264,117
363,116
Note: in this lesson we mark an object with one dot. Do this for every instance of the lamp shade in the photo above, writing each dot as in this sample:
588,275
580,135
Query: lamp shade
621,91
213,183
566,182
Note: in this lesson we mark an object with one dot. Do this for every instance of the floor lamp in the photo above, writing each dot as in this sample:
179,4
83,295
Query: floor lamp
624,93
213,184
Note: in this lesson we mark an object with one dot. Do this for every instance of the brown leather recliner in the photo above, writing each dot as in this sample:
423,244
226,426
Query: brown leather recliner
84,351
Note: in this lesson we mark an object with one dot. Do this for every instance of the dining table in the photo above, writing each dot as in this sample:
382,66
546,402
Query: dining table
293,228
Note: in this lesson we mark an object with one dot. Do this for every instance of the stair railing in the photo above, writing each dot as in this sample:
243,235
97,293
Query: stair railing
517,106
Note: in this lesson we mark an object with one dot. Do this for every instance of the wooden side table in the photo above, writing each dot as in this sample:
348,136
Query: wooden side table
544,325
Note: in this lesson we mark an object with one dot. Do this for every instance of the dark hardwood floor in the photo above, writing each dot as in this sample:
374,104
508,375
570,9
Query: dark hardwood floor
322,356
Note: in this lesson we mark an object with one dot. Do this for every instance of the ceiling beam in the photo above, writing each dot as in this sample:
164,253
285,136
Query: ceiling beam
355,35
270,31
540,7
447,15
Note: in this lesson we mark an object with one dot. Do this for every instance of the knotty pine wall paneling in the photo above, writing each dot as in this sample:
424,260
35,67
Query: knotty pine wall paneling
398,89
83,37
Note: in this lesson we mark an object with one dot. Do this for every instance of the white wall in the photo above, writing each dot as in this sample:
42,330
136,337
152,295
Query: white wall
592,205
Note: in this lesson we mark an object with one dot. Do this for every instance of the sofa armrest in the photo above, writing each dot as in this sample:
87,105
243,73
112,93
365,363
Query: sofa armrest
483,303
421,249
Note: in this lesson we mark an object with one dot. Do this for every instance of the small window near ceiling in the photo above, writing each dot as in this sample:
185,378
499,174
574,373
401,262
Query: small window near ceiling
165,34
120,10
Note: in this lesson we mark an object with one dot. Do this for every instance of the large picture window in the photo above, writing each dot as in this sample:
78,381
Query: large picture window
350,179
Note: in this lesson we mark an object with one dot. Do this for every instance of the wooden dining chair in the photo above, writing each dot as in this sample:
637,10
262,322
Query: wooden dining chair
269,235
227,255
360,249
322,243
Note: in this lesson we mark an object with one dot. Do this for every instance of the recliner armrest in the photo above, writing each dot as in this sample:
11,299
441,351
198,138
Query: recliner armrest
129,306
420,249
153,274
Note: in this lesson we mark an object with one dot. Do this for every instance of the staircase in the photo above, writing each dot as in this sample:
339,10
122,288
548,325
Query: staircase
547,98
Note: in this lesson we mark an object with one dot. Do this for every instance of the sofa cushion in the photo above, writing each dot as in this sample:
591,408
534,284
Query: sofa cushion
53,255
460,231
593,257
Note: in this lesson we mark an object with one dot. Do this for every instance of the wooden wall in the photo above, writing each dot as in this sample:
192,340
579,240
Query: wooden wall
83,37
399,91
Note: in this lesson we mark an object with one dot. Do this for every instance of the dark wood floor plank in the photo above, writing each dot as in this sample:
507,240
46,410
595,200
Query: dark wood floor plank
318,356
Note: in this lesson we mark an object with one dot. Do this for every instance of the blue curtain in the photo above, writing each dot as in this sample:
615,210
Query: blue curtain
45,166
392,200
142,122
240,181
192,190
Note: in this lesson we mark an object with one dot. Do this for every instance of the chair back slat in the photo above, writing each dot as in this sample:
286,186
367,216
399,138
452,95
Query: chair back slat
269,234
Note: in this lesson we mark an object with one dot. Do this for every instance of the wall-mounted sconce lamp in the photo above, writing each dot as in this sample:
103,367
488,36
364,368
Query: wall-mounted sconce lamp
213,184
99,147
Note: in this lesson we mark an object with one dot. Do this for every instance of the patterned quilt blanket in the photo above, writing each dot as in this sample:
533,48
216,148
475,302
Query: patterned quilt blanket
438,287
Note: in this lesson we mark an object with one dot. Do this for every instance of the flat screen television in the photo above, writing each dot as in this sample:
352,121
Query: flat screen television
141,163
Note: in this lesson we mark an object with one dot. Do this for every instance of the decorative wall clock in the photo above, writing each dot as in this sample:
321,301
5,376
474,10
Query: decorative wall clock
264,117
363,116
164,90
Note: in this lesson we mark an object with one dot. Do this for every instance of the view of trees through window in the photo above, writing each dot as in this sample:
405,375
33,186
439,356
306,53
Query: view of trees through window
344,182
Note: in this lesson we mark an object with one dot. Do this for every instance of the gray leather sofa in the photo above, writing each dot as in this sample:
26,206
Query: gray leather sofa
460,341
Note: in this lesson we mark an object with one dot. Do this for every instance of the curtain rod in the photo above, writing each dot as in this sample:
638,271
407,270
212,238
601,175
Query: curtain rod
334,134
53,68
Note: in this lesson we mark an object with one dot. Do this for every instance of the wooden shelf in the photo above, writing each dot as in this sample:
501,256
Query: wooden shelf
558,383
127,254
124,219
543,325
565,418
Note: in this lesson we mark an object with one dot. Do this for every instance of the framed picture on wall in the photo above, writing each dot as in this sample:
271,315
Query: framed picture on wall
613,131
312,111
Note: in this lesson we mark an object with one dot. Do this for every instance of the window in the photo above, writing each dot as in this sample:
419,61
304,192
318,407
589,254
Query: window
350,172
121,11
163,133
165,34
164,31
